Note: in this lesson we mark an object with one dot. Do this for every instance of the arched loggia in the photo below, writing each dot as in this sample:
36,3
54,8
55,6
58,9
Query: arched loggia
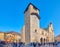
41,40
44,40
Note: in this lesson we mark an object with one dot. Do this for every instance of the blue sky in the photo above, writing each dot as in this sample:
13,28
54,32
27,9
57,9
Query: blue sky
12,14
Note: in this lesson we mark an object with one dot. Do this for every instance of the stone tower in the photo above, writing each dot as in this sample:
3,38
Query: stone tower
51,32
31,22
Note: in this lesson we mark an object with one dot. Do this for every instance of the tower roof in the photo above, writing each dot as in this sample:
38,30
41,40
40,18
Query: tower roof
29,5
50,22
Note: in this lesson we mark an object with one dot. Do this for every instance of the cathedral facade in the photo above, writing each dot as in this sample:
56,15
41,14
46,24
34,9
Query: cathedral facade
31,31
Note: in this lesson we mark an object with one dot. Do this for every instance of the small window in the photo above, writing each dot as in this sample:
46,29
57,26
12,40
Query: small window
35,30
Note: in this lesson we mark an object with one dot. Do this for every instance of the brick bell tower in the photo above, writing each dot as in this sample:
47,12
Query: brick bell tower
31,23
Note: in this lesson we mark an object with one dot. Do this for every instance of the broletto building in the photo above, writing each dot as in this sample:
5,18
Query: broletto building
31,31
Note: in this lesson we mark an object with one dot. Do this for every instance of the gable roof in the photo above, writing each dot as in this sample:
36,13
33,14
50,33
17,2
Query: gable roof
29,5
